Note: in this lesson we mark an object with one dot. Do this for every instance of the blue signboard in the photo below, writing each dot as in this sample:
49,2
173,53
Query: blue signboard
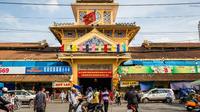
49,70
1,86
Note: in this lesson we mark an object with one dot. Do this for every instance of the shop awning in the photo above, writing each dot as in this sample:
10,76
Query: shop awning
34,78
195,83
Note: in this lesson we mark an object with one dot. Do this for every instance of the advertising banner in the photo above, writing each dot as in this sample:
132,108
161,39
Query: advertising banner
95,74
184,69
12,70
135,69
198,69
49,70
61,84
158,69
128,83
161,69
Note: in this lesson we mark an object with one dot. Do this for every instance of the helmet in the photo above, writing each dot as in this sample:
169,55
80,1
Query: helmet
5,89
90,88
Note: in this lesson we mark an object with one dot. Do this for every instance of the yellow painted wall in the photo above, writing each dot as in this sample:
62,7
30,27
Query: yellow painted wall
93,61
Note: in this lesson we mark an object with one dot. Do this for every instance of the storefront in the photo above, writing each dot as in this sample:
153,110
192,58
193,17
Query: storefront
31,75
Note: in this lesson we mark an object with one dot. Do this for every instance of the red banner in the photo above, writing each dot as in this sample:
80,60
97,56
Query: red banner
95,73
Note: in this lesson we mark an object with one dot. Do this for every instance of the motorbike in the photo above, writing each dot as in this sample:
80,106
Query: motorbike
17,103
90,107
132,108
6,106
192,105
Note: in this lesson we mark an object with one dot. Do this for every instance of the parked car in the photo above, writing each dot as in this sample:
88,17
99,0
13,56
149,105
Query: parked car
25,97
158,94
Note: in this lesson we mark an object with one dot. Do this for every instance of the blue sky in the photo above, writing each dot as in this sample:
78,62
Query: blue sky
147,25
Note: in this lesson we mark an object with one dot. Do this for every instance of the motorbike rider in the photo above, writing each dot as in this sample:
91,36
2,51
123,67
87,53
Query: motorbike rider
88,97
4,100
73,98
132,97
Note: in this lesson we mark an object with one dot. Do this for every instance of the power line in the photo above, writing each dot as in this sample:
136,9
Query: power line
134,17
135,5
24,30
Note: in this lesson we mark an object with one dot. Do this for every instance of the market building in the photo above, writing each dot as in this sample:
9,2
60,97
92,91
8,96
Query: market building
94,45
31,65
170,65
95,52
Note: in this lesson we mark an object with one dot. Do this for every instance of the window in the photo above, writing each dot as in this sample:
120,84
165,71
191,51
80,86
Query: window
69,33
108,33
81,15
154,92
107,17
98,16
119,33
81,33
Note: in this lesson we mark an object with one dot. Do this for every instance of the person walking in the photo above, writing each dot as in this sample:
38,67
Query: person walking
73,100
105,98
40,101
118,97
132,97
62,96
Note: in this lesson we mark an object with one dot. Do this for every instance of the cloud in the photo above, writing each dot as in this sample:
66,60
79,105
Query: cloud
9,22
47,9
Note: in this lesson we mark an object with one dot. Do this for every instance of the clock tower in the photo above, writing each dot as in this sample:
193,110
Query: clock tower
105,10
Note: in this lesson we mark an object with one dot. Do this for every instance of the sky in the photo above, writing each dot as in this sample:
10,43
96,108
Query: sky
152,29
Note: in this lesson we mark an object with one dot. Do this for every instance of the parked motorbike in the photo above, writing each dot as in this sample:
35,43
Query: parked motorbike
192,105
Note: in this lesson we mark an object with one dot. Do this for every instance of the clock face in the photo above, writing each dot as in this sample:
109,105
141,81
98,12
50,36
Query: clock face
98,16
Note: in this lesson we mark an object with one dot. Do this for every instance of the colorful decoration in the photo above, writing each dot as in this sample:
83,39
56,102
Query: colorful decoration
118,48
93,47
62,48
124,47
113,48
105,48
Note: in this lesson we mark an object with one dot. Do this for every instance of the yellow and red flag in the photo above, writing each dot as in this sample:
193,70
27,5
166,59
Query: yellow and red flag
89,18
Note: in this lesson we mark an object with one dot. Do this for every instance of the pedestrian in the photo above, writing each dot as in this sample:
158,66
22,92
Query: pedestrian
132,97
105,98
40,101
62,96
118,97
73,99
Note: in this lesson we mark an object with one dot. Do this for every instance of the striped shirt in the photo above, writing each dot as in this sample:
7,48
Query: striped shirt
105,96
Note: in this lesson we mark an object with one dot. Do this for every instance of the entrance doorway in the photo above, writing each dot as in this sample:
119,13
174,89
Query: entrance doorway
98,83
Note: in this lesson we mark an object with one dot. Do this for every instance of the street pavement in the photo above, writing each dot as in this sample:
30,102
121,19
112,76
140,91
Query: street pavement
149,107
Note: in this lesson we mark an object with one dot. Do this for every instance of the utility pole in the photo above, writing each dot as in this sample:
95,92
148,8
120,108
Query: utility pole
199,30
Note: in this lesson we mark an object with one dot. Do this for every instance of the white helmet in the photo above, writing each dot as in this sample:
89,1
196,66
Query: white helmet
4,89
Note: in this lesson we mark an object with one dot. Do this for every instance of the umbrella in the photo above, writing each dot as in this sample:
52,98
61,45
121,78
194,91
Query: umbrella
195,83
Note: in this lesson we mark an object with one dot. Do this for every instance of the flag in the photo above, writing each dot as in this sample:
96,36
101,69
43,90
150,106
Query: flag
99,48
87,48
118,48
74,48
62,48
89,18
105,48
124,47
113,48
93,47
68,47
81,48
